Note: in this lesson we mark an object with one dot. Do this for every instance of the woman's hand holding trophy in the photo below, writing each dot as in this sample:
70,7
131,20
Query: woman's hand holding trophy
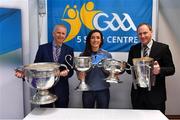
81,75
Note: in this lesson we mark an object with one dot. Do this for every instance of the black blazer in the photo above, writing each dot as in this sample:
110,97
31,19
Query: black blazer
45,54
161,53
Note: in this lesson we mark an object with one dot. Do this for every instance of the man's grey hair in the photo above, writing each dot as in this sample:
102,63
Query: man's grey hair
55,27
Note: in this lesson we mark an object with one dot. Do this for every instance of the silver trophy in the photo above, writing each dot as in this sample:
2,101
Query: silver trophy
142,72
82,64
42,76
114,67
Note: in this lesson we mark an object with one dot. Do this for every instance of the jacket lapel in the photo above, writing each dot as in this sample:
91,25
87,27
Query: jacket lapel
153,49
50,52
138,52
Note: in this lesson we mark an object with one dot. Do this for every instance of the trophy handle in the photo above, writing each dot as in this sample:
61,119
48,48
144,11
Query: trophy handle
63,65
129,66
148,66
70,58
134,77
100,63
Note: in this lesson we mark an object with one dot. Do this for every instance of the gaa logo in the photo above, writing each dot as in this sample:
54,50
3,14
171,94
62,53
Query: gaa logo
91,17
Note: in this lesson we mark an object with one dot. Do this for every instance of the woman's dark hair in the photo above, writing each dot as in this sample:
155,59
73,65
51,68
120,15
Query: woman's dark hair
88,50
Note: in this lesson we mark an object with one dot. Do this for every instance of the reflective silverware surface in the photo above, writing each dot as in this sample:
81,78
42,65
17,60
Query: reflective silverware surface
142,72
114,67
82,64
42,76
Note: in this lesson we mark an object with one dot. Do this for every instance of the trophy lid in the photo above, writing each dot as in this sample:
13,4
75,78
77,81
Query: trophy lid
43,66
142,59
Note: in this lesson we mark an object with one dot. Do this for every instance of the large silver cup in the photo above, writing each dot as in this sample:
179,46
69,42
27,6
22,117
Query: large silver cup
113,67
42,76
142,72
82,64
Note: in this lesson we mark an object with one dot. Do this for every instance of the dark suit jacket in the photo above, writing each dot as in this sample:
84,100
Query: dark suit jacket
45,54
161,53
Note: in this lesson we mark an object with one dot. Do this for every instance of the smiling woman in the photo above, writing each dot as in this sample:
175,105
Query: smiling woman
98,94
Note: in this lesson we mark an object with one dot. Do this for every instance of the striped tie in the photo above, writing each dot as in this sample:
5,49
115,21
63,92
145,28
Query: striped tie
57,53
145,50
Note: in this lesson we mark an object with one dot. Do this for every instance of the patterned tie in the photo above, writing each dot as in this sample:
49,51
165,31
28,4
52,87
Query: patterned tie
57,53
145,50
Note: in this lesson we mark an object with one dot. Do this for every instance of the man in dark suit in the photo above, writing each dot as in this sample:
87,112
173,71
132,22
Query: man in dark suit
142,98
56,51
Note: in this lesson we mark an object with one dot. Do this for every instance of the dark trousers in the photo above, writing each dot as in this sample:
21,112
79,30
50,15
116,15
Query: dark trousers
140,100
100,99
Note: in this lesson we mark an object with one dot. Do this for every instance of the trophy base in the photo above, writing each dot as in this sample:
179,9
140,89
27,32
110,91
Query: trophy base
113,80
40,98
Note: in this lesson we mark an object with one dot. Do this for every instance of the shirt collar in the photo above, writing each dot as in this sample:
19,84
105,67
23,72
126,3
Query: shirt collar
55,45
149,45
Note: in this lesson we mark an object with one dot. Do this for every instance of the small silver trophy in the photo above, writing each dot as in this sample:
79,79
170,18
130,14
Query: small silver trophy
142,72
41,76
82,64
113,67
